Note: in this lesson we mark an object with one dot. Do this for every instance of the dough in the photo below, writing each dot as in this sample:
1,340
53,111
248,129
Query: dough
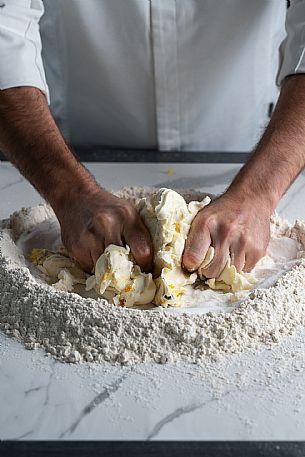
60,270
66,281
118,278
168,218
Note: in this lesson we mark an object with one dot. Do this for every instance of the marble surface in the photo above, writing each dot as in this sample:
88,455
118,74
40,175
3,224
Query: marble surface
255,395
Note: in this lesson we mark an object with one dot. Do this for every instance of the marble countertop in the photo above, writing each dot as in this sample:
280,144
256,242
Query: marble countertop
252,396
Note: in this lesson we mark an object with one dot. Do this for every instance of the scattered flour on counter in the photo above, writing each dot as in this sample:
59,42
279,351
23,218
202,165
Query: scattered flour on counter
73,328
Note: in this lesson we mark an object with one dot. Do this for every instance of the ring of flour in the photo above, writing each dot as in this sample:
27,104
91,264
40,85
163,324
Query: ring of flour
75,329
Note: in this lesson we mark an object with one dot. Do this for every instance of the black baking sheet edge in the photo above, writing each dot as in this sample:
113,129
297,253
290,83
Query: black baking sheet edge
152,449
115,155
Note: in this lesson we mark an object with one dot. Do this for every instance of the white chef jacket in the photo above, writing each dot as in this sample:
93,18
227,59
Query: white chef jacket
167,74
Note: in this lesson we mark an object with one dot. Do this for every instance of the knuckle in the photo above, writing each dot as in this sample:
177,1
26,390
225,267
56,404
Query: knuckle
229,230
126,210
204,219
104,219
145,251
211,222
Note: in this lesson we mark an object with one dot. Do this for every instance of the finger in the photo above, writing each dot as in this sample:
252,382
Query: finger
83,257
252,257
138,238
110,233
103,237
87,251
196,245
238,257
114,238
216,266
97,248
95,245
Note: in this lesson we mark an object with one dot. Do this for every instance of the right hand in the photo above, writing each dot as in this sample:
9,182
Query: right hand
235,225
93,220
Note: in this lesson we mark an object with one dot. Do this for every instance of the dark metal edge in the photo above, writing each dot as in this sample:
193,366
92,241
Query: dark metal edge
127,156
152,449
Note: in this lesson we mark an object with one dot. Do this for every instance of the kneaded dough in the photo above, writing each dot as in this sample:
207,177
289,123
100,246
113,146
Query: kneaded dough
58,269
229,279
117,277
168,218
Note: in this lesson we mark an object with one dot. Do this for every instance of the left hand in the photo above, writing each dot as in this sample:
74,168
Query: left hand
234,225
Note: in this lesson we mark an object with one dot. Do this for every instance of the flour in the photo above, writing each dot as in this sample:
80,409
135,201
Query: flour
73,328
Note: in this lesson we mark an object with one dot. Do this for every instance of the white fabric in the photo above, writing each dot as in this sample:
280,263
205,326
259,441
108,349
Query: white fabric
20,45
293,48
167,74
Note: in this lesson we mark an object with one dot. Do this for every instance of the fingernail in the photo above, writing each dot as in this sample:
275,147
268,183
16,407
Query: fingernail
192,257
189,268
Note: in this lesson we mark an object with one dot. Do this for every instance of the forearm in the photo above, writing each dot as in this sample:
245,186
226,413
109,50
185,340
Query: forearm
280,155
31,140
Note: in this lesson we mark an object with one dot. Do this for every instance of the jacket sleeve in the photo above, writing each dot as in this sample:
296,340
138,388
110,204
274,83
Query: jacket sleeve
20,45
292,49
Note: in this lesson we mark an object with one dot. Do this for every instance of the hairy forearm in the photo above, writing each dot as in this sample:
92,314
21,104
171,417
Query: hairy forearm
280,155
31,140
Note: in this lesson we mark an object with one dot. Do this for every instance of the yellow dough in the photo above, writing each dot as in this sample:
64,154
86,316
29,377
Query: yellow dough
117,277
168,218
61,271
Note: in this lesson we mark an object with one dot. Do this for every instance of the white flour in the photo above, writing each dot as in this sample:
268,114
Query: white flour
73,328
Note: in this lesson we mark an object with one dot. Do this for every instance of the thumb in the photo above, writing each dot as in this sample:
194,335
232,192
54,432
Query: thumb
138,238
196,245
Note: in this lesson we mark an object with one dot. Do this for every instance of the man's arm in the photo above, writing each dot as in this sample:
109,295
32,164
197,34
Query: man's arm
90,217
238,222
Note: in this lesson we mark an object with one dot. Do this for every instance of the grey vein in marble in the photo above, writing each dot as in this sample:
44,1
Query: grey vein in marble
100,398
24,435
45,403
174,415
48,386
33,389
184,410
11,184
265,388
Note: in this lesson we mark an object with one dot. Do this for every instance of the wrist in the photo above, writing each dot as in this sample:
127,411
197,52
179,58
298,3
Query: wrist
257,184
72,185
247,197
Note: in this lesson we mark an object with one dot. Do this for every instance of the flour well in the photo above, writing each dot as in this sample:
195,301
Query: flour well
74,328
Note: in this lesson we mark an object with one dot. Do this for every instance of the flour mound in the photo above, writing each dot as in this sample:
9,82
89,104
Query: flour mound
75,329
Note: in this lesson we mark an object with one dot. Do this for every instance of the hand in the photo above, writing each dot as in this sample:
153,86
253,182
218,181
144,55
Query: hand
92,220
233,225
